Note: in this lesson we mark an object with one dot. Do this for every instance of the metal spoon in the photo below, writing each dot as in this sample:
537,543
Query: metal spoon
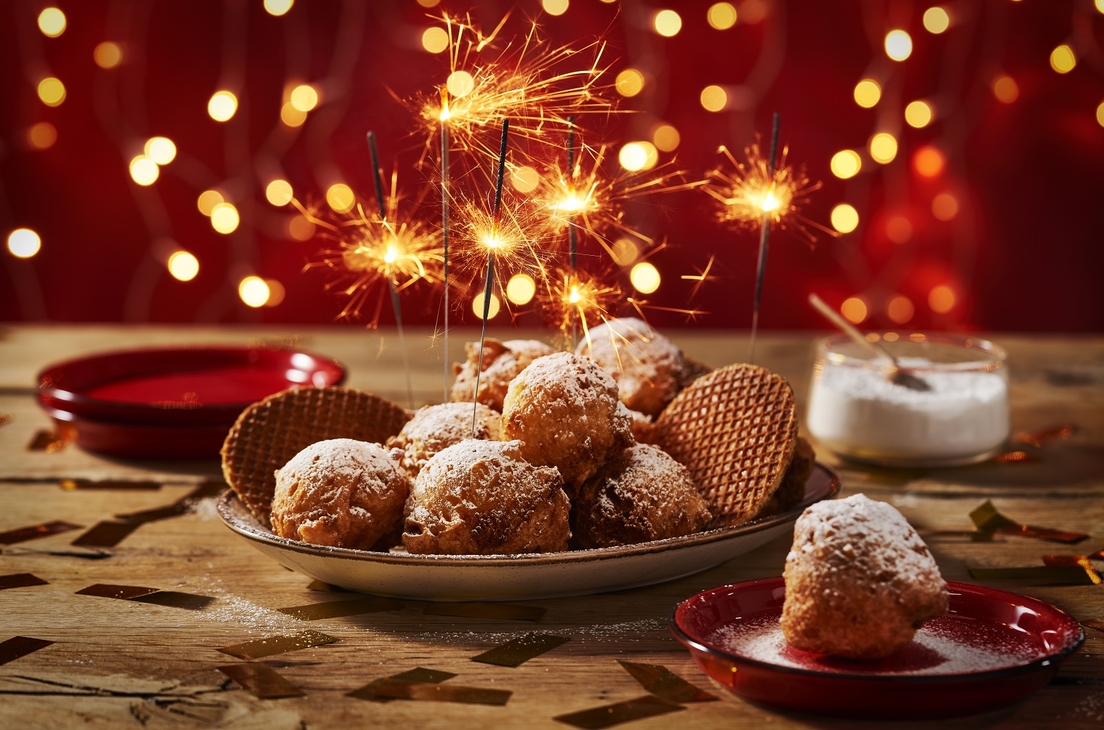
892,370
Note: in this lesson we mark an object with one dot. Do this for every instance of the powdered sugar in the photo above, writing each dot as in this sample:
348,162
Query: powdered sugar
647,366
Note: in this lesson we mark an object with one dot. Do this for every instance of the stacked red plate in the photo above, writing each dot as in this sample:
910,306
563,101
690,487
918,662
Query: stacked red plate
173,402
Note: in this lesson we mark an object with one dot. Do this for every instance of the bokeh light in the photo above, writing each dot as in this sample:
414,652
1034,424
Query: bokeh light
42,136
624,252
161,150
941,299
51,21
667,23
721,16
253,291
846,164
898,229
207,201
644,277
291,116
1100,113
340,198
435,40
225,218
713,98
944,206
1005,89
900,309
222,106
555,7
278,7
929,161
304,97
300,228
524,179
1062,59
637,156
868,93
853,309
279,193
492,308
183,266
107,54
844,218
919,114
898,45
275,293
143,170
936,20
666,138
460,84
51,91
23,243
521,289
629,82
883,147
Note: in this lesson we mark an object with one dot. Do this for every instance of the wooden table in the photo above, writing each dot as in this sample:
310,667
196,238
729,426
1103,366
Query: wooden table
129,663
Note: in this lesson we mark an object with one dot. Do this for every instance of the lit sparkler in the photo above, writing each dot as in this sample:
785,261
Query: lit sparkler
574,300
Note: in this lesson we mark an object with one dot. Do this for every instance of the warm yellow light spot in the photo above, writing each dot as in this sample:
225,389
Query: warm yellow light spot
1062,59
278,7
713,98
555,7
667,23
918,114
460,84
941,299
524,179
492,307
929,161
639,155
944,206
225,218
291,116
429,3
899,229
304,97
51,22
770,203
883,147
340,198
666,138
222,106
936,20
753,12
1099,6
1100,110
898,45
900,309
644,277
629,82
867,93
721,16
23,243
254,291
183,266
143,170
42,136
300,228
51,91
207,201
279,192
275,293
846,164
161,150
435,40
1006,89
854,309
845,218
624,251
107,54
521,289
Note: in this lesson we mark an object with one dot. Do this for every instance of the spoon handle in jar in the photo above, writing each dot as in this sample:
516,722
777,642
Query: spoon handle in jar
849,329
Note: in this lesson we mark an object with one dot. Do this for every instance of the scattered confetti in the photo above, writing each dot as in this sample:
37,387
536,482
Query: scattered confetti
516,652
20,580
108,590
106,534
74,484
665,684
419,675
19,646
621,712
176,599
261,680
1037,575
431,692
334,609
22,534
988,519
49,440
1080,561
278,644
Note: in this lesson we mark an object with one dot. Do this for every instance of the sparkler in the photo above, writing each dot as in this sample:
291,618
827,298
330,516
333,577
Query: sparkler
574,300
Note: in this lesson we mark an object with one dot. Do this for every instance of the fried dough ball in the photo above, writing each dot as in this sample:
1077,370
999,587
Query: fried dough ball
483,498
341,493
792,489
434,428
859,581
565,411
502,361
647,366
643,495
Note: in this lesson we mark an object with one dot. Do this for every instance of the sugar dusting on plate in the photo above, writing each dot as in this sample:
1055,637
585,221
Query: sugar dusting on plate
948,645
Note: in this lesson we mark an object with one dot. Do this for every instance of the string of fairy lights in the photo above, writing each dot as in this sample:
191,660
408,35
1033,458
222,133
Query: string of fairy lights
589,191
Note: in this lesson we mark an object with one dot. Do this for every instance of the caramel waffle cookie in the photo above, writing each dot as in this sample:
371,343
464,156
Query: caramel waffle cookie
735,430
271,431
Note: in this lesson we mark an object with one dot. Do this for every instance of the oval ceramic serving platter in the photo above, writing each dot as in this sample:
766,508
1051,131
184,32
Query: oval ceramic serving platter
514,577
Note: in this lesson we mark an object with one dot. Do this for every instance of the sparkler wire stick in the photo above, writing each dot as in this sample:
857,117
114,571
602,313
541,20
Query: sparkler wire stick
572,238
764,241
378,182
445,239
490,264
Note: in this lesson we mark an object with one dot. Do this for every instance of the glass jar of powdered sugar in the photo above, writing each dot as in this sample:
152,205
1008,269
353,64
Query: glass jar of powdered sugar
858,412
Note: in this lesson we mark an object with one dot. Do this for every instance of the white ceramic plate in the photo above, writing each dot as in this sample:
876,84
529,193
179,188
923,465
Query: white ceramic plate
512,577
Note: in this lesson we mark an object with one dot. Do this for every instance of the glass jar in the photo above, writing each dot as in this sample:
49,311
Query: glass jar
858,412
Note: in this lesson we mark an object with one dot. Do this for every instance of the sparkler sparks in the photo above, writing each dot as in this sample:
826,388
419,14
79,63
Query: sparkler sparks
577,301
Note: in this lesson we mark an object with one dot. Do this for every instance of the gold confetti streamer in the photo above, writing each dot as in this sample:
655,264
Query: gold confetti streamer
418,674
988,519
49,440
665,684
